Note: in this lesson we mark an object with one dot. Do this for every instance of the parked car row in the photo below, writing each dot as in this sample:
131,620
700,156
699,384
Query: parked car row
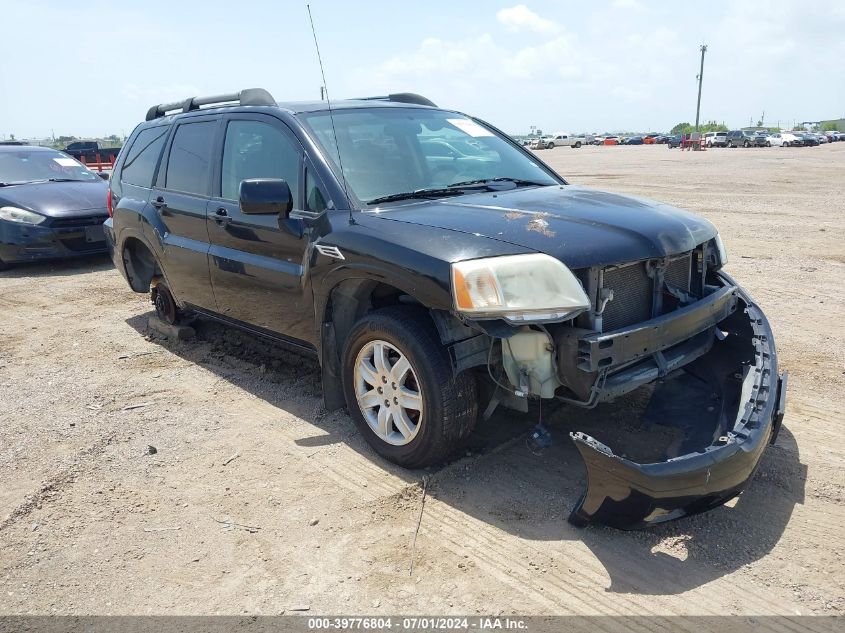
733,138
749,138
758,138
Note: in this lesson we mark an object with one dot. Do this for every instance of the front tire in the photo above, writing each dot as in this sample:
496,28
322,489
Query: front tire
746,144
401,391
577,144
768,143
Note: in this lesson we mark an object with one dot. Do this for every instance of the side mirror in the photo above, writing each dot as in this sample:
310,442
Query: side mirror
104,175
265,196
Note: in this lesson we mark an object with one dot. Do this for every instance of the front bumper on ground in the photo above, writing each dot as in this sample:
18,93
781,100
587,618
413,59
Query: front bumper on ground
744,401
28,242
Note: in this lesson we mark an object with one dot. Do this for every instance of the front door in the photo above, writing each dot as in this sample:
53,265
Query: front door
257,261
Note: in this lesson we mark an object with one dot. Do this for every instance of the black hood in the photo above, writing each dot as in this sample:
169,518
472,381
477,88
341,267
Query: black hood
57,199
580,226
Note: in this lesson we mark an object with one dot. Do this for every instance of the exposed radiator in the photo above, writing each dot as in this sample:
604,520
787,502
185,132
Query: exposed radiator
632,296
678,272
632,291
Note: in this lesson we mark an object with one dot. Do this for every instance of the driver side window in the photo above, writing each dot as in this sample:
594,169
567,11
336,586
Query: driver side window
254,149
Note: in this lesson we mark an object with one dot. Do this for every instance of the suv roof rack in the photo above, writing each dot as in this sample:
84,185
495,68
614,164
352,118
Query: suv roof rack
402,97
246,97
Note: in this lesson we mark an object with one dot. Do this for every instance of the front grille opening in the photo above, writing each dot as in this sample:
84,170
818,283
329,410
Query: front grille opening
633,291
88,220
678,272
632,296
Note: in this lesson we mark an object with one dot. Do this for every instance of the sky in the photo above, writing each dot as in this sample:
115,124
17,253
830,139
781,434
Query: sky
93,68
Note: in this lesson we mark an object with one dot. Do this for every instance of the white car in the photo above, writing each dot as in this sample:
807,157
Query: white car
784,139
571,140
716,139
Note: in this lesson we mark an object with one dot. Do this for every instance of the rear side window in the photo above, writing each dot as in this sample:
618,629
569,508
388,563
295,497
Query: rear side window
140,164
190,158
258,150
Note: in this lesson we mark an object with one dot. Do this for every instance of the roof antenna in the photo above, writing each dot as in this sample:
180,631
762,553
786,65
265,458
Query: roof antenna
325,90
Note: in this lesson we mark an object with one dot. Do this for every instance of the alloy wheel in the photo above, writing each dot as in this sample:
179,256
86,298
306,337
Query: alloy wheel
388,392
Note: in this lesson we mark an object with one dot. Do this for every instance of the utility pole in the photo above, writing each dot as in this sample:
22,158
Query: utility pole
700,78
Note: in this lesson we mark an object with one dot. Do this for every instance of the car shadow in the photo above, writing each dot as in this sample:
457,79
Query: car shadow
501,480
59,267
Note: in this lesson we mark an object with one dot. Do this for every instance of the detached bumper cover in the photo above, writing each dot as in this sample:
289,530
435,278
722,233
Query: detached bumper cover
624,494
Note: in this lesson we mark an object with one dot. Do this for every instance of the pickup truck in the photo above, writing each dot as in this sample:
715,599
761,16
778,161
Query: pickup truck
89,151
570,140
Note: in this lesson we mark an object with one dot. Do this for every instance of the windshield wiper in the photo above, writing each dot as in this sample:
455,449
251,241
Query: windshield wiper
519,182
419,193
39,180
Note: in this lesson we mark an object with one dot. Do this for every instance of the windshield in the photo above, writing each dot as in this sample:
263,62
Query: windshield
389,151
31,165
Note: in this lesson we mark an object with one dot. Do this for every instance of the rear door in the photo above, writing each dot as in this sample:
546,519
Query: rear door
257,261
181,196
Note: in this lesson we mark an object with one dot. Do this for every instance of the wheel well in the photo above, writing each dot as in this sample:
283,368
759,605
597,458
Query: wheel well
348,302
140,264
352,299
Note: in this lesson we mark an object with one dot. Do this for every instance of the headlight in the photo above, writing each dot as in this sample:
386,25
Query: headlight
531,287
21,216
720,249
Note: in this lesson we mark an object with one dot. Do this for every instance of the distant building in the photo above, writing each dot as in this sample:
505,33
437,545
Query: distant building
839,123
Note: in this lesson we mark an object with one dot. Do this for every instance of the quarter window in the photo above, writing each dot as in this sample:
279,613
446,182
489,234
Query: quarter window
141,159
190,157
258,150
314,198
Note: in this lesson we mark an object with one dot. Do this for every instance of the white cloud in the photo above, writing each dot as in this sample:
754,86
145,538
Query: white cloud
557,57
520,17
476,60
632,5
436,55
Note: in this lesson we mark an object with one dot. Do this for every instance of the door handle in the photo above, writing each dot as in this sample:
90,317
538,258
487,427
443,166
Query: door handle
159,203
221,216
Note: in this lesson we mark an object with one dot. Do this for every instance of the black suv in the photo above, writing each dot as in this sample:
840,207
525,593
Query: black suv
434,284
745,138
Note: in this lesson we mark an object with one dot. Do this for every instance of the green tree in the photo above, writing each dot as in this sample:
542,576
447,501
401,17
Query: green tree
709,126
829,126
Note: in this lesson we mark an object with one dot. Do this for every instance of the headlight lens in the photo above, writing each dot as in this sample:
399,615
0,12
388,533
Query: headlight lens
720,249
21,216
530,287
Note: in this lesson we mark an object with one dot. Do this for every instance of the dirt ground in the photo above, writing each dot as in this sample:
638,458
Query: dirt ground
255,500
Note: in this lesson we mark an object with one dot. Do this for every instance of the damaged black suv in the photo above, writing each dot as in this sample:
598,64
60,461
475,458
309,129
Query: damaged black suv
436,268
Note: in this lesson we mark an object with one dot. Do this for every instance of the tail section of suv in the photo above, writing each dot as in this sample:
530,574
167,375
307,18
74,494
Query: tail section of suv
433,285
716,139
